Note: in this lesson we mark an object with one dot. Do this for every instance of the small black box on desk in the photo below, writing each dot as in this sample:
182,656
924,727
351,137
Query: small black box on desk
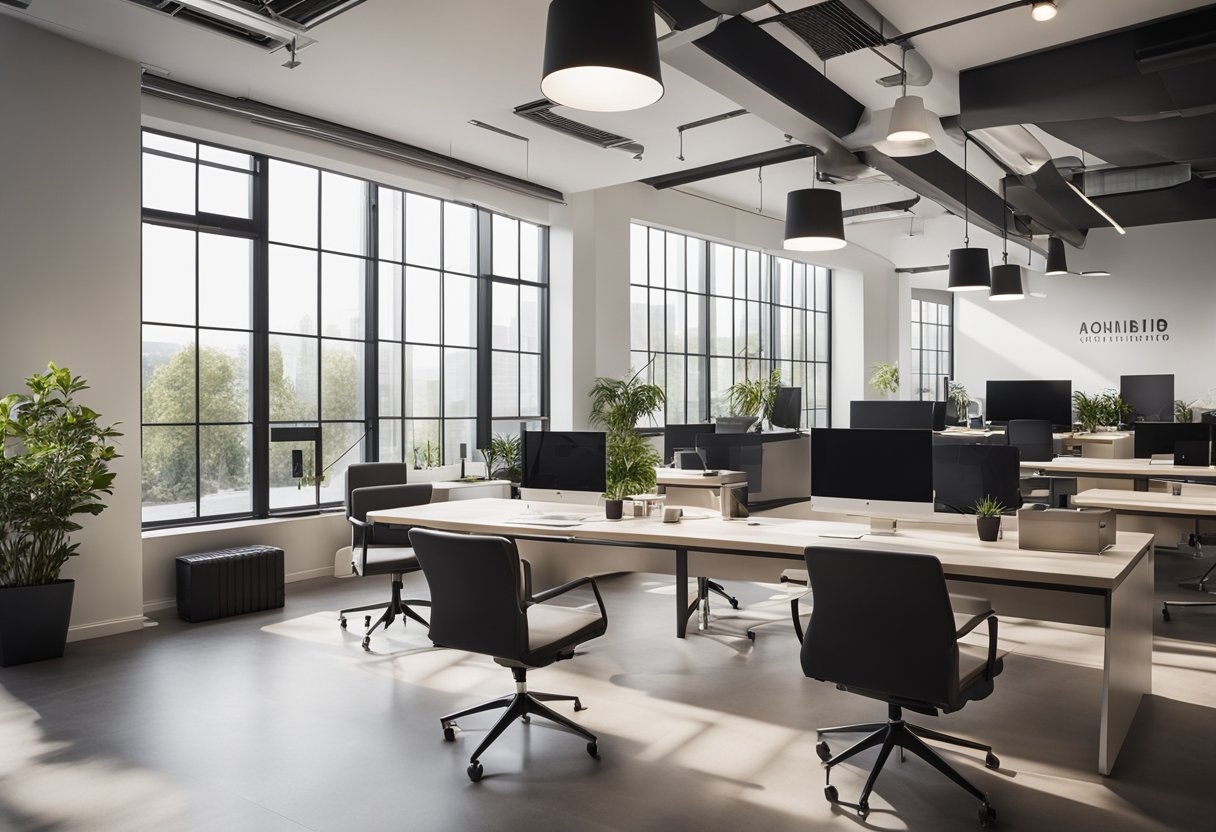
229,582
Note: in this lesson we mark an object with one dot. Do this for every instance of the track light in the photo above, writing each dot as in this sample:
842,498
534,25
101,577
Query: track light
601,56
969,269
1043,11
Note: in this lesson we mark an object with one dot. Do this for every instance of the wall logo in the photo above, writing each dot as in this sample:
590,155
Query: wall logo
1133,330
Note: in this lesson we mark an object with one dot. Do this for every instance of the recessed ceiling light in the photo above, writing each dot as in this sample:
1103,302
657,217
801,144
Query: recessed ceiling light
1042,11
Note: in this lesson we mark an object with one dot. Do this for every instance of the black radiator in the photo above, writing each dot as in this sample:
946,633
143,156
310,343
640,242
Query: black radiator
229,582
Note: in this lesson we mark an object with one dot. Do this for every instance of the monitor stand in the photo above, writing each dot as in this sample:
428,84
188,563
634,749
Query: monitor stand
883,526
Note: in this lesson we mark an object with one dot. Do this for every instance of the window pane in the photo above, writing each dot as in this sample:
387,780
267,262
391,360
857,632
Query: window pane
390,208
637,255
422,448
230,158
225,274
422,392
721,323
505,246
390,379
721,376
168,374
529,318
422,234
181,147
675,390
455,433
504,383
459,382
342,292
223,383
422,306
657,256
530,238
168,473
505,317
694,265
168,274
675,261
391,449
675,321
658,332
696,323
343,214
639,316
529,385
696,381
293,204
390,302
341,379
285,491
459,311
459,238
721,267
293,290
225,192
224,459
168,184
293,379
342,446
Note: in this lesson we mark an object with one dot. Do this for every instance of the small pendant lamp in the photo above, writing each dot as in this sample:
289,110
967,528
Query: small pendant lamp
1057,261
969,269
601,55
814,220
908,119
1007,277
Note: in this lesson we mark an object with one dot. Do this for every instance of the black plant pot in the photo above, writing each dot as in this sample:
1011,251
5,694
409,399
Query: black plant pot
34,622
988,527
613,509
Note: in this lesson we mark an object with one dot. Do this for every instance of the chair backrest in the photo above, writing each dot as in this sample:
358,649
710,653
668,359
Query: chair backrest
1032,437
964,474
476,592
368,475
881,624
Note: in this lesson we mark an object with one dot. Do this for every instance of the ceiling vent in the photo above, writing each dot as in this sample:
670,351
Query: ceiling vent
832,29
269,24
541,112
883,212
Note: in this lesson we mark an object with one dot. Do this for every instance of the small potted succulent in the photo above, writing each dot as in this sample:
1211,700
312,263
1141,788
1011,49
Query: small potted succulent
988,513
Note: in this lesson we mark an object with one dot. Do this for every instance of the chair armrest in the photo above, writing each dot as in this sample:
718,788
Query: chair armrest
357,523
566,587
527,580
974,621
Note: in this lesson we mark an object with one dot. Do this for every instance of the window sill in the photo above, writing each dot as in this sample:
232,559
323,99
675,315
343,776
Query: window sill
207,528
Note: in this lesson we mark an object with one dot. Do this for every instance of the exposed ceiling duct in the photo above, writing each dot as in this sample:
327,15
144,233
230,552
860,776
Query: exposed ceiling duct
876,213
541,112
270,25
1106,181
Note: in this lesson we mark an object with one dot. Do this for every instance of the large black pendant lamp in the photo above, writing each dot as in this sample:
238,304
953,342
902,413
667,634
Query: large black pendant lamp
1057,262
969,269
814,220
601,55
1007,277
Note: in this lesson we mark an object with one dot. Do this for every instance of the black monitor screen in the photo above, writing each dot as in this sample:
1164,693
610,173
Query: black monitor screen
787,409
965,474
860,464
1049,400
1159,437
565,460
734,452
890,415
1151,398
676,437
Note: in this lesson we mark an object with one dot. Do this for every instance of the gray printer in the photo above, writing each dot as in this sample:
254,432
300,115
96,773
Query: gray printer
1088,531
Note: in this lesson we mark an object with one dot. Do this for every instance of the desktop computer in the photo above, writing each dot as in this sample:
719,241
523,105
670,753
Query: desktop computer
564,466
882,474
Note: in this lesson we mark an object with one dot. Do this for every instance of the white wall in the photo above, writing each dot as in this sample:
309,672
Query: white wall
69,266
1162,271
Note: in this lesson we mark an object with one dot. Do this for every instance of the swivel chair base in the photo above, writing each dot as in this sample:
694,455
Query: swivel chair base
717,589
897,733
392,609
520,705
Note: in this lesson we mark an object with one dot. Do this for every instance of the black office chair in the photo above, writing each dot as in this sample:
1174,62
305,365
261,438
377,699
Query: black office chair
896,640
481,605
381,549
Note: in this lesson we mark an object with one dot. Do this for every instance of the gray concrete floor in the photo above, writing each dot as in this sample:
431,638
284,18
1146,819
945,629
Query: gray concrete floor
279,721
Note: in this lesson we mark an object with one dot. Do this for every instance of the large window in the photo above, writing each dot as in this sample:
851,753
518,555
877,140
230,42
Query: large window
705,315
388,324
932,343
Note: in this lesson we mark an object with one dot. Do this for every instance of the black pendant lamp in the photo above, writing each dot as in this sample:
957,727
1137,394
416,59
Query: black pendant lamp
969,269
814,220
1057,262
602,55
1007,277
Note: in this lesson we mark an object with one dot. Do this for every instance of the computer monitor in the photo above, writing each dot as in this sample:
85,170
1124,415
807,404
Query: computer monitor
564,466
965,474
734,452
1160,437
893,415
878,473
1049,400
1151,397
682,437
787,408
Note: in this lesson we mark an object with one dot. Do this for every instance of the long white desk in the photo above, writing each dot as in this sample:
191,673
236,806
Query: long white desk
1138,470
1112,591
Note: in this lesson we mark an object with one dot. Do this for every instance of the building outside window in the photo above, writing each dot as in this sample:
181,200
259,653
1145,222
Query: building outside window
932,343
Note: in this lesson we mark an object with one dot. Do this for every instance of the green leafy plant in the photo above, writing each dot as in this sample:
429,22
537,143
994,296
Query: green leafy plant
958,396
884,378
1182,411
754,397
502,457
427,455
55,459
618,405
989,506
1101,409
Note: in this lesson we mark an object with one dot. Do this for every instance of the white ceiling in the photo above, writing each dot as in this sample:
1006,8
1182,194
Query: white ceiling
418,70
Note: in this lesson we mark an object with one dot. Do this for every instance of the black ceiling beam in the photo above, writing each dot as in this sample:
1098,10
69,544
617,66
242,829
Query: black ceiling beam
684,14
729,166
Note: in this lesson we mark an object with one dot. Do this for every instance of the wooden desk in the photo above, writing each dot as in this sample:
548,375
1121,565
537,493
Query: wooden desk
1112,591
459,490
1138,470
1154,503
1103,444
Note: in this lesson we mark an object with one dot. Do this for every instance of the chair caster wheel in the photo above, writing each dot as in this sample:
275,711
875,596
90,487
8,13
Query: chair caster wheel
526,719
831,794
992,761
751,635
825,753
449,733
734,603
475,771
342,622
987,815
863,809
593,749
367,643
1165,613
367,621
578,706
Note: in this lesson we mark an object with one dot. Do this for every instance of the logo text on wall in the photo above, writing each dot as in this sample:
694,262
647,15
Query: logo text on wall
1125,331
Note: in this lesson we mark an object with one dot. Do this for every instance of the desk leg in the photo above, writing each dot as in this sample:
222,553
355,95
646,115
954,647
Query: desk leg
683,608
1128,668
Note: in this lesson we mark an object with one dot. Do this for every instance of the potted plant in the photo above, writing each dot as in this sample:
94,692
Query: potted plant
753,399
618,405
54,465
1101,410
988,511
1182,411
884,378
960,399
502,457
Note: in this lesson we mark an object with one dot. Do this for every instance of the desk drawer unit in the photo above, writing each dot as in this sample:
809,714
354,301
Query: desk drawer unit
229,582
